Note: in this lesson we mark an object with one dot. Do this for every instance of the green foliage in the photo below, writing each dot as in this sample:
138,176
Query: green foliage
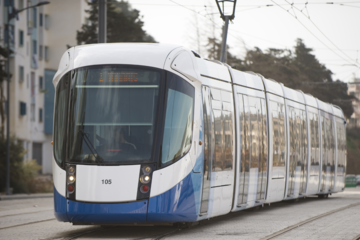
297,70
22,173
124,24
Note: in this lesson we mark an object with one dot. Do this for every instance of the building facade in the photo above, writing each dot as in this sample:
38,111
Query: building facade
354,90
38,39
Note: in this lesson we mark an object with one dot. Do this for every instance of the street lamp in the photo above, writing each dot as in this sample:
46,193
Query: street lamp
227,11
13,14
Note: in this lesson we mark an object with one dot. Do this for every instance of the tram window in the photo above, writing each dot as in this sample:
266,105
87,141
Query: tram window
178,119
222,114
207,128
113,114
325,159
218,151
255,111
317,139
62,95
278,125
243,140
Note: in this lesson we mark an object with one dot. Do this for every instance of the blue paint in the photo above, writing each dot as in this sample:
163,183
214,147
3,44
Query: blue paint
98,213
196,180
60,207
199,164
175,205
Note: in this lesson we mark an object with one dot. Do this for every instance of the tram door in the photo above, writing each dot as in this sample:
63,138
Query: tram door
297,152
208,142
253,153
218,151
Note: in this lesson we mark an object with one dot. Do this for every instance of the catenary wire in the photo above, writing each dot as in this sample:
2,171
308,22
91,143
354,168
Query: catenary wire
313,33
320,31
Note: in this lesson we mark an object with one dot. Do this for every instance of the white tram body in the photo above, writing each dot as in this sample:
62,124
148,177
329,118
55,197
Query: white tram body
153,133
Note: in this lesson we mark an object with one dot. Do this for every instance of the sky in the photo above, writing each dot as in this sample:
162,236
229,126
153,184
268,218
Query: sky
331,30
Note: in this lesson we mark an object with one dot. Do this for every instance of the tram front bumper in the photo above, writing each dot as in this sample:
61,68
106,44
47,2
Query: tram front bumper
99,213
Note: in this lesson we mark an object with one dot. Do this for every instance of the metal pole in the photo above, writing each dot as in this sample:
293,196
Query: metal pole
102,21
224,37
8,112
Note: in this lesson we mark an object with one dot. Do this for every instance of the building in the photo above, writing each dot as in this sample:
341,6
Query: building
38,39
354,90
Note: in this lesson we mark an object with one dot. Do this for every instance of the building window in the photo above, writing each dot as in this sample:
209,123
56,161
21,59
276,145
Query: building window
22,108
46,53
41,86
47,22
40,115
32,112
35,17
32,84
21,38
41,19
40,52
21,74
34,46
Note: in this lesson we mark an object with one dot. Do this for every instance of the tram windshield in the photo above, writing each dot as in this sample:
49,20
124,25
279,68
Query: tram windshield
113,114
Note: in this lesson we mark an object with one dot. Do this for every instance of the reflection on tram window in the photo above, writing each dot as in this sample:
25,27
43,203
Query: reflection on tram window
62,94
253,143
278,127
222,114
218,151
178,119
113,120
297,150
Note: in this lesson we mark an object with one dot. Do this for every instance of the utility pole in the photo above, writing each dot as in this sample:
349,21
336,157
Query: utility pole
223,56
102,21
227,12
8,109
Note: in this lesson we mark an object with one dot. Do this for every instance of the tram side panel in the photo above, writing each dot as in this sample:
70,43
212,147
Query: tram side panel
277,148
314,151
341,154
297,150
252,157
218,179
176,188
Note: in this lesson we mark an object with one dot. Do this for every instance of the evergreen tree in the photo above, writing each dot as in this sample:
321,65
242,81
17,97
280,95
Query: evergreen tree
124,24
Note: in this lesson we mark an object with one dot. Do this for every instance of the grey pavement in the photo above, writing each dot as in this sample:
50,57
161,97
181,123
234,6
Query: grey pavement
26,196
34,219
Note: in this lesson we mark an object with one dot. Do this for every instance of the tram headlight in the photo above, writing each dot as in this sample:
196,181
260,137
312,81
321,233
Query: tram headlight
71,179
71,169
146,170
145,179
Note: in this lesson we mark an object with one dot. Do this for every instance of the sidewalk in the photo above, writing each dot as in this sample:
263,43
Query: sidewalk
26,196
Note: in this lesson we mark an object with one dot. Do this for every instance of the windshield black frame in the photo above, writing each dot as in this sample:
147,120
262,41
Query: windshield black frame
157,122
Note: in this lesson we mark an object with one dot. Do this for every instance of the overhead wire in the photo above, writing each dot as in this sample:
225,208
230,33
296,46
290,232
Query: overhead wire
312,33
320,30
327,47
204,17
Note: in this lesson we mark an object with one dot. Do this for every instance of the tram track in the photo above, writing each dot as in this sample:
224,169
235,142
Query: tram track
302,223
10,215
29,223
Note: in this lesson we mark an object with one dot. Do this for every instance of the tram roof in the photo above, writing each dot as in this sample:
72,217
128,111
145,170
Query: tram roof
144,54
294,95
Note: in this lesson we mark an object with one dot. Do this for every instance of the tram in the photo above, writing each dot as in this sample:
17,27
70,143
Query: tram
154,133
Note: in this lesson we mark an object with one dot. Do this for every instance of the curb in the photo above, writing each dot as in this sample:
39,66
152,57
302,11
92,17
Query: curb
26,196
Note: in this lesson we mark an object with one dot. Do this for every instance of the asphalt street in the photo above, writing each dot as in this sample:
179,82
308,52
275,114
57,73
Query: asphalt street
337,217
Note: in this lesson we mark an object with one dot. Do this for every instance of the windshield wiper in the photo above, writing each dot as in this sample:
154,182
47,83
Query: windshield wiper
87,141
91,147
